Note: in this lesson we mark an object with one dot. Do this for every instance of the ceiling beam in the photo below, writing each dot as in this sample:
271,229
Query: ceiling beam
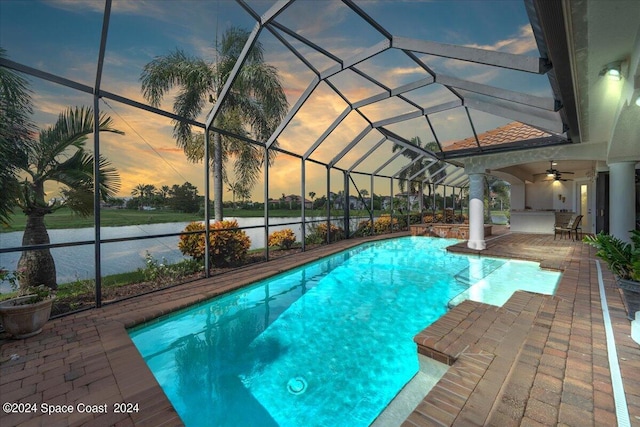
412,115
431,161
535,117
389,160
471,54
367,154
495,92
352,144
327,132
291,114
419,158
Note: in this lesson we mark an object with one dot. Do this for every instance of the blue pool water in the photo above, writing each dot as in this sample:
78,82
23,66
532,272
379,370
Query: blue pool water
329,344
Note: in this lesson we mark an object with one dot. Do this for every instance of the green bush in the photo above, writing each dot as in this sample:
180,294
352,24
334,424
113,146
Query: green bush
227,245
364,229
163,273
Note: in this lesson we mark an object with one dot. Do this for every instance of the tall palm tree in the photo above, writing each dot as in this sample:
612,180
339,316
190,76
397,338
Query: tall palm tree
15,128
414,186
254,106
237,190
58,155
139,192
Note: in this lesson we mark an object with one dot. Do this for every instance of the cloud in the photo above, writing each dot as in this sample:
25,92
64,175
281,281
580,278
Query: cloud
317,22
146,8
518,44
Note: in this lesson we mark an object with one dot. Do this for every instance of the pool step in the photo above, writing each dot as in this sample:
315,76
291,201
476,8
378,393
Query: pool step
474,273
471,275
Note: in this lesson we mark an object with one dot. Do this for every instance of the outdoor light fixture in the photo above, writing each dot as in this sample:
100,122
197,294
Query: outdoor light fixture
612,70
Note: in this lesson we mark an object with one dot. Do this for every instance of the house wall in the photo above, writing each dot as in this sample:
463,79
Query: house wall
552,195
517,196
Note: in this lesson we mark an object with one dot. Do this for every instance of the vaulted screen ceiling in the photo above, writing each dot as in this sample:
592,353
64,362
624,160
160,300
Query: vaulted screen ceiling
361,83
439,88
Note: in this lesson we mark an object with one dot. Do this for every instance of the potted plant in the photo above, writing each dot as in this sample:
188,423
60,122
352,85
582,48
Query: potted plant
623,260
25,314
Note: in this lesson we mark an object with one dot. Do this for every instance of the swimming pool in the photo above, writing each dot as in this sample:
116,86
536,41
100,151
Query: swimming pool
329,343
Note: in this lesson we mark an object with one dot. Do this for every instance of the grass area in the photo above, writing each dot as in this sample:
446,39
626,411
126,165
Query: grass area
111,281
83,286
64,218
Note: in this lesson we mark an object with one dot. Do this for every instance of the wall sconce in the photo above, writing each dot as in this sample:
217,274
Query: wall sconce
559,196
613,70
563,199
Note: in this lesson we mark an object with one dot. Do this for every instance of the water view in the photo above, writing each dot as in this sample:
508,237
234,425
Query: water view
77,262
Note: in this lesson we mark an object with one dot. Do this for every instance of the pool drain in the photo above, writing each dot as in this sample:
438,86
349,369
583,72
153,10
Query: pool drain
297,385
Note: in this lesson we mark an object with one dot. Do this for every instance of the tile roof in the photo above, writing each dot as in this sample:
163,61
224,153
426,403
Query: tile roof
512,132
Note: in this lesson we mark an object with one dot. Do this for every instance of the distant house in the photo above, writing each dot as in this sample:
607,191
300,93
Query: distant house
355,203
291,201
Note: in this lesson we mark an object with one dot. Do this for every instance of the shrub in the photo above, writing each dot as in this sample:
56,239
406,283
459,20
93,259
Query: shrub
282,239
162,273
227,245
319,234
383,224
364,229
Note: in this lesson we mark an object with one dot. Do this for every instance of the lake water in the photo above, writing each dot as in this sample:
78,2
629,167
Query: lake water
77,262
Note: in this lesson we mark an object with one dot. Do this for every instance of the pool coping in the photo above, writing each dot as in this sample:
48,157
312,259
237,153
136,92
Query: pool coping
89,358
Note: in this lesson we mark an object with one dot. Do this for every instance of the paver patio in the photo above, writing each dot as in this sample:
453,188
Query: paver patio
539,360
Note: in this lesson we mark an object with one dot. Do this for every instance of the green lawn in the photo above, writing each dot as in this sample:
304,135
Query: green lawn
120,217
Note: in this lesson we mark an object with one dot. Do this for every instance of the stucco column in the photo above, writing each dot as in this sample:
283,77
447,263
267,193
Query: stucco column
476,212
622,199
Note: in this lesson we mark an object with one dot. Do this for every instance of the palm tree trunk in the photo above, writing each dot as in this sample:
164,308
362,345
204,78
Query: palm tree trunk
37,267
217,177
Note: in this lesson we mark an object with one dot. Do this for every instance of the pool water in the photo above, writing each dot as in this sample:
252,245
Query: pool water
327,344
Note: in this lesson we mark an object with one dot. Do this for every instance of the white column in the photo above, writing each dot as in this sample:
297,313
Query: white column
622,199
476,212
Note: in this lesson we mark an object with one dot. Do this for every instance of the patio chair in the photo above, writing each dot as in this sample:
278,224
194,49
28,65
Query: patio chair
560,226
572,226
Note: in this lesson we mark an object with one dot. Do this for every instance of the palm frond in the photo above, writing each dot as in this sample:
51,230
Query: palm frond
16,129
70,131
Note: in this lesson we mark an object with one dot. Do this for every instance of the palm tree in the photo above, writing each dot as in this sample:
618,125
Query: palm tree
255,105
414,185
15,129
139,192
237,190
58,155
164,193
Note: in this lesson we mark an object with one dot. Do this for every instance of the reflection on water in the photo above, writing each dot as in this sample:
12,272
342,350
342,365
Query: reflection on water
77,262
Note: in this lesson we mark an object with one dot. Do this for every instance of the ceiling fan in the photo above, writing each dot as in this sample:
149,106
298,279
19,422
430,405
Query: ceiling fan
555,174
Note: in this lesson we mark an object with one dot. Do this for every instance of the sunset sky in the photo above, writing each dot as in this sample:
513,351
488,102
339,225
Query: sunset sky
62,37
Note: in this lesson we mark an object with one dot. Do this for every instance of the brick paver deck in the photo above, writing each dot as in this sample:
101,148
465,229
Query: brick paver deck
539,360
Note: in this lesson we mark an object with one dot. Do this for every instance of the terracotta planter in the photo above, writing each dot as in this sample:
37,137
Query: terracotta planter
24,320
631,292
